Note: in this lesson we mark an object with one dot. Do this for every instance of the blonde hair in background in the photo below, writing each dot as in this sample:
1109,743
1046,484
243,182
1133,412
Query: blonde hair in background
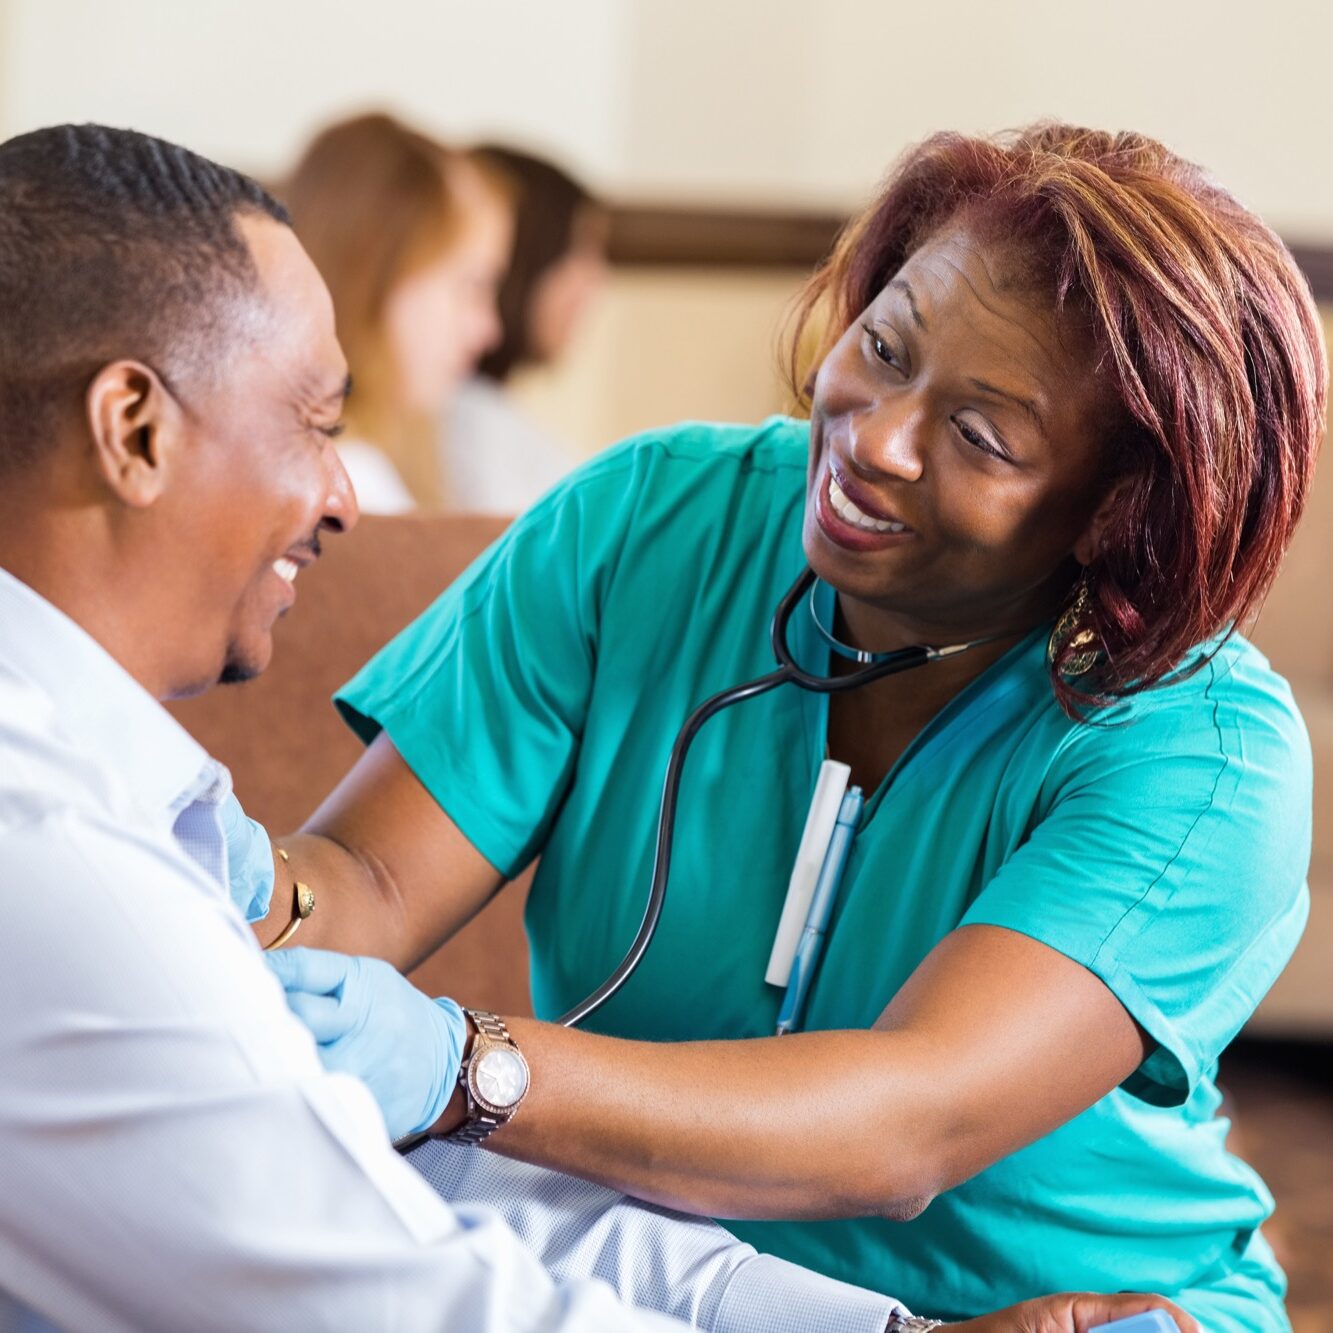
371,201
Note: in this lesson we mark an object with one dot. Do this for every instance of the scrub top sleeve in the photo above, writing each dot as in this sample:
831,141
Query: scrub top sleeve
485,694
1171,863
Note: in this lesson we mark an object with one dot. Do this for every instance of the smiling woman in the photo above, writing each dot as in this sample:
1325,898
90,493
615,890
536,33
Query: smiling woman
1067,404
1142,267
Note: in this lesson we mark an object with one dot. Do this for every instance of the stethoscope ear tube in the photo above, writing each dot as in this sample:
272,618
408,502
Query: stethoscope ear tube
666,821
788,670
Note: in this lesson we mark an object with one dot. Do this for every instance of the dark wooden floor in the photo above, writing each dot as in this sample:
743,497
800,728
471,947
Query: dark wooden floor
1282,1103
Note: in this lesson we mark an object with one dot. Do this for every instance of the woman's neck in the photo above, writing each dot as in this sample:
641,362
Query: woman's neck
869,728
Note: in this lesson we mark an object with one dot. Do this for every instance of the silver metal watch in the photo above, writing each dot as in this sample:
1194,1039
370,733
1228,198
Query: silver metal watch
910,1323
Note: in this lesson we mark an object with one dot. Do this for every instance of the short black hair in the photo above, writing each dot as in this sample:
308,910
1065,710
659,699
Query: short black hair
113,244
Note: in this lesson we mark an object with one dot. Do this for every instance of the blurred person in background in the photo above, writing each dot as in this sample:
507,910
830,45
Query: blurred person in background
497,459
412,239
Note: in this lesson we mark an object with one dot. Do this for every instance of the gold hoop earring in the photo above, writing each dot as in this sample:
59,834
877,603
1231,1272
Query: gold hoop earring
1073,643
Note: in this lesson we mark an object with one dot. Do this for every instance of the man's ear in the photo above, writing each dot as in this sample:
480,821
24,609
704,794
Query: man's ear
135,425
1089,542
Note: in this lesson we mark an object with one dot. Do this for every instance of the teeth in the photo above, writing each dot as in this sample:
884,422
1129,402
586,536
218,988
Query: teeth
286,569
849,513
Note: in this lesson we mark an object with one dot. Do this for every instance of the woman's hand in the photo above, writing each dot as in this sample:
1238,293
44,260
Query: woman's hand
370,1021
1074,1312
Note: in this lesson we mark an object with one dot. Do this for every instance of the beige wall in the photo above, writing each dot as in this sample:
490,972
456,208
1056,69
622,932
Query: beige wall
248,81
1296,631
664,345
780,101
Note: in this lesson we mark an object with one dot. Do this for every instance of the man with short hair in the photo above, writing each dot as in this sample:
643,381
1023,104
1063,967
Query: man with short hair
172,1153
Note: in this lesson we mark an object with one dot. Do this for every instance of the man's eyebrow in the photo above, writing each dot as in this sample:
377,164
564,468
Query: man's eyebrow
902,285
1026,404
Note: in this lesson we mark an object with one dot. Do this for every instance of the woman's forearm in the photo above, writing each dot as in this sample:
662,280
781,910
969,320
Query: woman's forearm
994,1041
833,1124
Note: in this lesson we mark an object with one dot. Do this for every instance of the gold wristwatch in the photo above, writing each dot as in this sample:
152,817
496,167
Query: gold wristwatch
494,1076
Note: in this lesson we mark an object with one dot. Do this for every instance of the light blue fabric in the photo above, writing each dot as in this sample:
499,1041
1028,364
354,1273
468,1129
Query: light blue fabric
249,860
1164,849
370,1021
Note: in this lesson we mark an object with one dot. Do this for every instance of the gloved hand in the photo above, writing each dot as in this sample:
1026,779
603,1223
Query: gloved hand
369,1020
249,860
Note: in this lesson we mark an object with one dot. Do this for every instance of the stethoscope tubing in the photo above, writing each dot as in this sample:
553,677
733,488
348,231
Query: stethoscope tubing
788,672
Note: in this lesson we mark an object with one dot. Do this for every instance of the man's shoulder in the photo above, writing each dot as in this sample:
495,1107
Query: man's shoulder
82,856
45,776
39,770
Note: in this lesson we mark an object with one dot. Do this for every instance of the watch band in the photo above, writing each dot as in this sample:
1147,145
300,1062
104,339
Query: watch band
490,1025
480,1123
475,1130
910,1323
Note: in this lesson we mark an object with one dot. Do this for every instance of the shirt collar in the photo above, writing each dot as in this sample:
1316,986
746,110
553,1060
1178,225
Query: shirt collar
100,706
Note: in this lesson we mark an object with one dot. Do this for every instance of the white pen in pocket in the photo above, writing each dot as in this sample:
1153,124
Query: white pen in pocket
830,787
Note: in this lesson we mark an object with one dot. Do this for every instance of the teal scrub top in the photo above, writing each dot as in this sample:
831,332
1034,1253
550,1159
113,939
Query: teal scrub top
1165,850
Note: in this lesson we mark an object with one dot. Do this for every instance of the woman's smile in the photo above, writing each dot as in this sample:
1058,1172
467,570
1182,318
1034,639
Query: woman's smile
863,526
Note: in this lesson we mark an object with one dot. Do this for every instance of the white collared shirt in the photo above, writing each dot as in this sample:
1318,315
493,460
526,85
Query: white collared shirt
172,1154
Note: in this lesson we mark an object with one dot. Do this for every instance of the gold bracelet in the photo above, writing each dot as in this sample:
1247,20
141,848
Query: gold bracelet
303,903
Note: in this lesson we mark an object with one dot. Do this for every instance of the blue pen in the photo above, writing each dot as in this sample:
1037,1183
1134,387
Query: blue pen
811,946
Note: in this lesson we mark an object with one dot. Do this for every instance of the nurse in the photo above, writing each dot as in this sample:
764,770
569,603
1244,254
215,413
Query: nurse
1068,399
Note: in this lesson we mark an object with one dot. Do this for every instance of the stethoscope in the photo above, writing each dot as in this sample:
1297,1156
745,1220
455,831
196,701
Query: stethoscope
873,667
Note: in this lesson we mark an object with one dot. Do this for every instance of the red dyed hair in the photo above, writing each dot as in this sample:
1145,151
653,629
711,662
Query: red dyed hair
1205,332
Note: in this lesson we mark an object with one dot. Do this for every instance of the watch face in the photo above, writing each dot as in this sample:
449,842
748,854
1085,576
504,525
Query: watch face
501,1077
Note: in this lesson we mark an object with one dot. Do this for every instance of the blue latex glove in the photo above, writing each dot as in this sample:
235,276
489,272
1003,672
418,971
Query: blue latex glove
369,1020
1155,1321
249,860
